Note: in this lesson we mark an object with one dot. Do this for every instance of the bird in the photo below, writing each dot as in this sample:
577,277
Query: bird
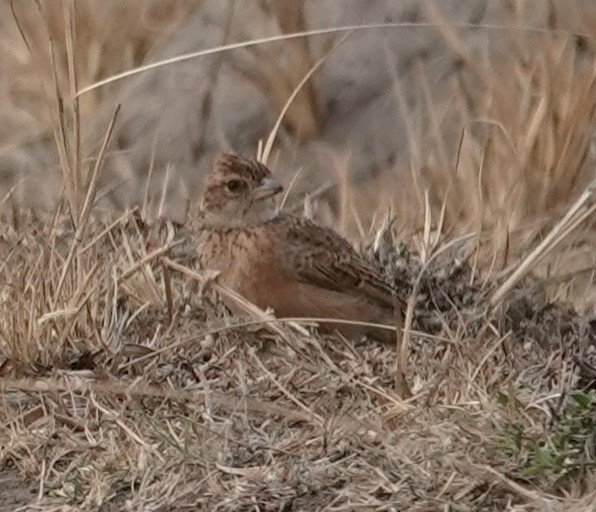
285,262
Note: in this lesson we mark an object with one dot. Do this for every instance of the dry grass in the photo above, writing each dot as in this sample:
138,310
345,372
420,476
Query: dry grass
524,123
279,69
126,385
53,47
108,395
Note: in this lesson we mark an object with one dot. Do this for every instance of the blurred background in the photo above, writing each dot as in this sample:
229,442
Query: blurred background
484,111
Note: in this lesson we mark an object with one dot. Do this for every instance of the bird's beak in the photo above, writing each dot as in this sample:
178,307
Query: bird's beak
269,187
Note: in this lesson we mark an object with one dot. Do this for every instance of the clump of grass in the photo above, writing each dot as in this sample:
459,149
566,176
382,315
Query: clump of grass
565,452
48,46
509,159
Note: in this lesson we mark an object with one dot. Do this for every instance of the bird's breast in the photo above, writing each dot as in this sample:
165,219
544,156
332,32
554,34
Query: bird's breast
237,254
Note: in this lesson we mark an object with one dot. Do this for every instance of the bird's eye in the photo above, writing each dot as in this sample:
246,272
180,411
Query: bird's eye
236,186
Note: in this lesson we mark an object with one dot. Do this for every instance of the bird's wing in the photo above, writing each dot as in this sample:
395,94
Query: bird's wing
319,256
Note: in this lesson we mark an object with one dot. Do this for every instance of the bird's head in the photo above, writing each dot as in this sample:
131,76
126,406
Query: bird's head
239,193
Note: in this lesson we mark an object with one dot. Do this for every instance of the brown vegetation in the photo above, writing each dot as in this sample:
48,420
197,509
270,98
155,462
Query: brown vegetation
125,384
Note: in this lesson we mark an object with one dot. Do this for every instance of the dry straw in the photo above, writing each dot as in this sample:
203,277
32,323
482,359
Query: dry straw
125,383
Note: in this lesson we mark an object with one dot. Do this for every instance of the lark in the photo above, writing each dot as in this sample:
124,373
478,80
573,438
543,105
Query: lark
285,262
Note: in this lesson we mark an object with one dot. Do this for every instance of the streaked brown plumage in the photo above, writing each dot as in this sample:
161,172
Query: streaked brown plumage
288,263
